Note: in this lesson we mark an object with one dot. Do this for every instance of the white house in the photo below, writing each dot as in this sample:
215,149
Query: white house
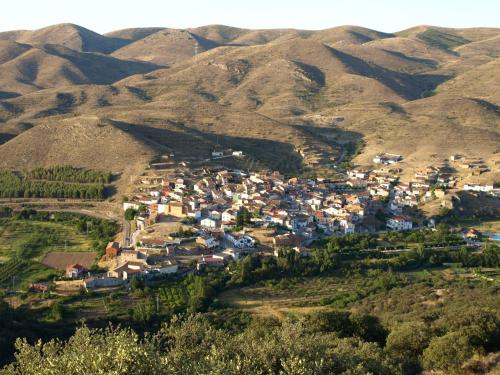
207,241
240,241
167,267
133,205
214,215
347,226
229,215
475,187
195,214
209,223
399,223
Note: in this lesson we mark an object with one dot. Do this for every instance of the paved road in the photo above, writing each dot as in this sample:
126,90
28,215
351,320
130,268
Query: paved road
126,233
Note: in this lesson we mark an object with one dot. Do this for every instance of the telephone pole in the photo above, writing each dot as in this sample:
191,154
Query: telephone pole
196,45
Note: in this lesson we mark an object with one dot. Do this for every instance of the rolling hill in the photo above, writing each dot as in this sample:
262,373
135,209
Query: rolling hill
120,99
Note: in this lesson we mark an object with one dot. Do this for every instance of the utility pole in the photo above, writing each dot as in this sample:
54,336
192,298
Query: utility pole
105,306
195,49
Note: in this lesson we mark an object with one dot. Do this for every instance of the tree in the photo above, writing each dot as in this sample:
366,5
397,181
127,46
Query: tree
448,352
130,214
57,311
137,283
491,255
464,256
109,351
406,343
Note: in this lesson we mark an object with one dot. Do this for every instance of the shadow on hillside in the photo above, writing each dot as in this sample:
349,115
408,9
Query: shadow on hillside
65,103
5,137
100,69
188,142
8,95
429,62
346,143
477,205
408,86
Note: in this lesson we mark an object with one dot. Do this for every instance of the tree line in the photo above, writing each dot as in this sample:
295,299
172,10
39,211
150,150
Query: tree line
15,186
67,173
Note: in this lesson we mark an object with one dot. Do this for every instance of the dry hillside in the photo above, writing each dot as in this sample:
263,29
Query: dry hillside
116,101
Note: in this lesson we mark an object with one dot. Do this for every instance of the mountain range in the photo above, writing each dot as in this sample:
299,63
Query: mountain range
287,98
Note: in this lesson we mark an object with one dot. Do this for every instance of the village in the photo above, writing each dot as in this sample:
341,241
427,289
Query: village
197,218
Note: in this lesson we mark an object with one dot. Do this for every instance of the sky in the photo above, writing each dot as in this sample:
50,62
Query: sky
383,15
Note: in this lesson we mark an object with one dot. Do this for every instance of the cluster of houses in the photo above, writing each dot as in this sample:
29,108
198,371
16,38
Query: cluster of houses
147,260
224,207
428,184
305,208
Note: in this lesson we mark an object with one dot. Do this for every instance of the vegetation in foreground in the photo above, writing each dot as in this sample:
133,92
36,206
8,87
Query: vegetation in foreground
321,343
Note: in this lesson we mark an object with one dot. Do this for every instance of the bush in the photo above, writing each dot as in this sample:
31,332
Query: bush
406,343
130,214
448,352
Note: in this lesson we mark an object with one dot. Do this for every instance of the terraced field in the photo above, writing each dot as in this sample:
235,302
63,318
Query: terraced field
25,243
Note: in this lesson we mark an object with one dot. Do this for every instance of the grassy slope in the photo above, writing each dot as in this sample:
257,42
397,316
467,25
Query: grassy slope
35,240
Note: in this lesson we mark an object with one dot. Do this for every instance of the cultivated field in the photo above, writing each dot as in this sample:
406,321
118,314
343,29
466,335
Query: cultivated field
60,259
25,243
40,237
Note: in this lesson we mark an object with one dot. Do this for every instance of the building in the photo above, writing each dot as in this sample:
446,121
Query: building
229,215
240,241
101,282
213,262
165,267
39,287
208,242
479,188
176,209
127,270
75,271
399,223
208,223
387,158
112,250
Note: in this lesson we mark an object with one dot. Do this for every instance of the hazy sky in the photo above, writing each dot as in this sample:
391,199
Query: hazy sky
383,15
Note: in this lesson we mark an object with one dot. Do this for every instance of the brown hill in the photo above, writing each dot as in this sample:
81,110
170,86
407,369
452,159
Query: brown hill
348,34
165,47
133,34
67,35
83,141
425,92
219,33
24,68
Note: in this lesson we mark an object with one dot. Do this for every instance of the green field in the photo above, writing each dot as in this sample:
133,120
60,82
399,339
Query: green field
24,243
